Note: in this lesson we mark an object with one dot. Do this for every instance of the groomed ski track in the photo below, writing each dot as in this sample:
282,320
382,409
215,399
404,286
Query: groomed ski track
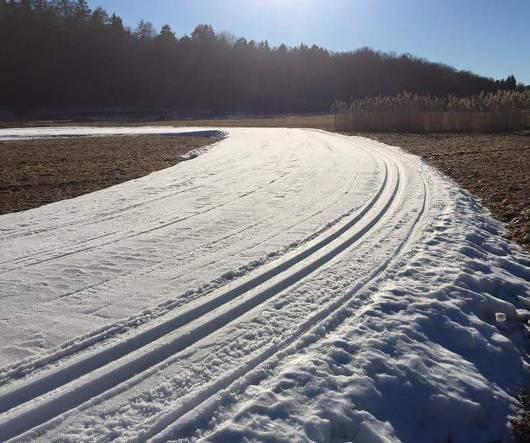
141,311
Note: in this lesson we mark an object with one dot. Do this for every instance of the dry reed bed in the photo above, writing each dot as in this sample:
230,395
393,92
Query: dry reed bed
503,111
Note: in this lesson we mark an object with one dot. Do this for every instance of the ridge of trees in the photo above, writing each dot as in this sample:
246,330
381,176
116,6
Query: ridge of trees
60,53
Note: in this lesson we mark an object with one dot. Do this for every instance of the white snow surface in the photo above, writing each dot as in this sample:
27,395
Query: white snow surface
95,131
286,285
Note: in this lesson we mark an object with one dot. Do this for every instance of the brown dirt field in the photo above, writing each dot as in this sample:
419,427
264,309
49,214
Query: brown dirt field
37,172
323,121
326,122
495,168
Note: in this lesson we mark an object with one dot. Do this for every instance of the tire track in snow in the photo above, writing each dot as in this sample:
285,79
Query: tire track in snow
273,255
19,420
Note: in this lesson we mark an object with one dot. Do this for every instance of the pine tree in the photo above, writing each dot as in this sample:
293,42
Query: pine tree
81,10
167,35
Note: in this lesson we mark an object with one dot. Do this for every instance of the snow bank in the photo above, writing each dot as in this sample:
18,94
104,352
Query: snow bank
424,361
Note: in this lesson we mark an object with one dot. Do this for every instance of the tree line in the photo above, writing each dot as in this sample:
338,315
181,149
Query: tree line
60,54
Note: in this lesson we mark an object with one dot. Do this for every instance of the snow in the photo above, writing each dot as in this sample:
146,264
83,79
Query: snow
95,131
285,285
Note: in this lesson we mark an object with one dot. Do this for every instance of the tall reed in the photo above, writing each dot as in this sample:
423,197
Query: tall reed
494,112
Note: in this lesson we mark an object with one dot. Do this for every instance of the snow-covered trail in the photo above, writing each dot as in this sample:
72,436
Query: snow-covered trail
113,253
285,285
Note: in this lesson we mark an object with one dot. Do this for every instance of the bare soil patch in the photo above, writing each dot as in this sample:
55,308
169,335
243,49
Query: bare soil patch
495,168
326,122
37,172
320,121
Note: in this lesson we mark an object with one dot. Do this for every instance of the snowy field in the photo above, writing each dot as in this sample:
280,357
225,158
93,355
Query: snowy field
285,285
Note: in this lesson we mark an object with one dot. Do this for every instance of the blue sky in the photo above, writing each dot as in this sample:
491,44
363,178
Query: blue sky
489,37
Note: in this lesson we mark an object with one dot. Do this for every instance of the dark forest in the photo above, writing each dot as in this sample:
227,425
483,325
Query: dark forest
60,54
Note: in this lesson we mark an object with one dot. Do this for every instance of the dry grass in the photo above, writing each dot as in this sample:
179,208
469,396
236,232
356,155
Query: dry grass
37,172
428,122
503,111
521,424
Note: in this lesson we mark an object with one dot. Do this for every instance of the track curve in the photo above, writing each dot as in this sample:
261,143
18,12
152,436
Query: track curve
203,279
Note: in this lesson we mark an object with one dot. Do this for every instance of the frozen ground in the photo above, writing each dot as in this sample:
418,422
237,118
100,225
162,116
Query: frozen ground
286,285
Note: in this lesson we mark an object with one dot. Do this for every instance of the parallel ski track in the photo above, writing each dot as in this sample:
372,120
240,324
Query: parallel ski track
32,260
26,367
35,402
110,215
168,326
178,422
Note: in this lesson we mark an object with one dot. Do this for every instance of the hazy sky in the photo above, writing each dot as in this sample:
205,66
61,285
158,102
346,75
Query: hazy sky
489,37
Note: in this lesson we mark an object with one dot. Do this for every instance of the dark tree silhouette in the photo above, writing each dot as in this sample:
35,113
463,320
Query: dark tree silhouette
60,54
